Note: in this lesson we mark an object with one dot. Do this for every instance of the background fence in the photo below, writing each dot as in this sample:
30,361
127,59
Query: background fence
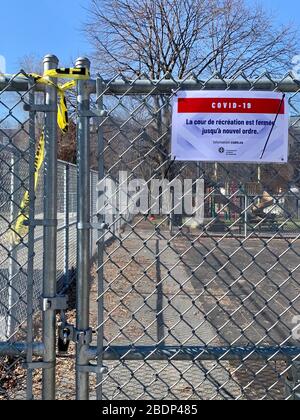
13,298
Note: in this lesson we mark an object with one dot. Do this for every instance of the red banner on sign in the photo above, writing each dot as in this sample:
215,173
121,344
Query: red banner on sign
230,106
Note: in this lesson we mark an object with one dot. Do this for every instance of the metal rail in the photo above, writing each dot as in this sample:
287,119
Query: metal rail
196,353
167,86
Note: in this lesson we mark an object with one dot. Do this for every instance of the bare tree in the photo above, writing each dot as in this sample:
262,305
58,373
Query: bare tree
158,37
175,38
31,63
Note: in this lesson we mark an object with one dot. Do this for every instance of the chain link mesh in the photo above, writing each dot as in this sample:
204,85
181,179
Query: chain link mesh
224,288
200,307
14,257
14,167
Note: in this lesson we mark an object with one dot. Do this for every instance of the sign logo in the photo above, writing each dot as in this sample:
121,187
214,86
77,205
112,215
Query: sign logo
222,150
2,65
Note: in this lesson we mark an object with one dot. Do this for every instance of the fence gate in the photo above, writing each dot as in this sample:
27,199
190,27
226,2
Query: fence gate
202,307
28,236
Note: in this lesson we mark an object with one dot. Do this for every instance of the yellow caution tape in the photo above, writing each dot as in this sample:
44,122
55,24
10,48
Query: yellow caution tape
62,111
67,73
21,226
20,229
68,85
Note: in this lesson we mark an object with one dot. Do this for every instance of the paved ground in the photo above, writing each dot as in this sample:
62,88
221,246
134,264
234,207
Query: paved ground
238,279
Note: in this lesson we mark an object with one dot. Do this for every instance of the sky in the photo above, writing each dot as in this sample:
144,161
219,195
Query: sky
284,10
39,27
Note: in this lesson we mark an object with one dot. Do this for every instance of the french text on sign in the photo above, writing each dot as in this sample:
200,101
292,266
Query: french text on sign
246,126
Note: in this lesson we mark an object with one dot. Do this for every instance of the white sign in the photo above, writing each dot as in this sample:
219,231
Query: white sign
230,126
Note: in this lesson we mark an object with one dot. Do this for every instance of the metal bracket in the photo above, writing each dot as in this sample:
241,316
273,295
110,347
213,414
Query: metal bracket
97,370
83,337
58,303
40,222
39,108
93,114
83,226
38,365
100,226
96,226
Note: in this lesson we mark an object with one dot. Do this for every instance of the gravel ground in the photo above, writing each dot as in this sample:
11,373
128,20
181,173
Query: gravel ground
213,313
144,303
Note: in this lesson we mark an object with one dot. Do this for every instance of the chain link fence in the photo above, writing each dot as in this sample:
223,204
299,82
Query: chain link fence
195,309
16,152
22,258
184,307
16,147
16,257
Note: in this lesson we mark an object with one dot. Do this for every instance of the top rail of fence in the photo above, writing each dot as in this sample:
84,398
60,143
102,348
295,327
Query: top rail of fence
139,86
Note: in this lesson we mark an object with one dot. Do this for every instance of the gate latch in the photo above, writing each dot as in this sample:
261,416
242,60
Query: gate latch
70,333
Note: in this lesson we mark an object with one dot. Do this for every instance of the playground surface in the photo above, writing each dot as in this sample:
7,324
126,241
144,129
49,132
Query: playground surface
231,291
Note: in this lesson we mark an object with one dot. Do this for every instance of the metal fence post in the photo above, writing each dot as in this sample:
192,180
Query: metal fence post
100,244
13,266
83,246
92,211
50,234
66,222
31,247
